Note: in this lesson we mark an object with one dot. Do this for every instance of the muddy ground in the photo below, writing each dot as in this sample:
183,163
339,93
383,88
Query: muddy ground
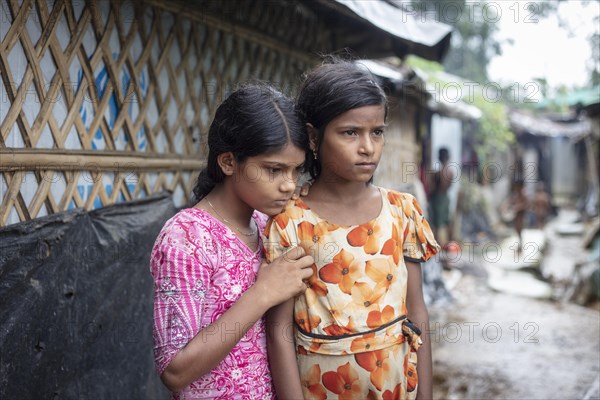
491,345
495,345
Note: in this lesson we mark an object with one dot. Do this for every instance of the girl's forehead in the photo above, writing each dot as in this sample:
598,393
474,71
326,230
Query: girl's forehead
290,154
366,114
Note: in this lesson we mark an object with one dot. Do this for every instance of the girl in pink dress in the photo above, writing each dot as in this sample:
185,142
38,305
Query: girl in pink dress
211,290
357,328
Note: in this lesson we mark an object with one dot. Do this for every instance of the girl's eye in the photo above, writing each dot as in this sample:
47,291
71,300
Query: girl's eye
350,132
378,132
274,170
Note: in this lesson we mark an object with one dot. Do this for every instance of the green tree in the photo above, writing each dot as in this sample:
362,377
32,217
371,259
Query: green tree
494,133
594,63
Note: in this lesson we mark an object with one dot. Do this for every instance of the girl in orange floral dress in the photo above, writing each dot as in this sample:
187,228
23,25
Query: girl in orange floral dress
357,328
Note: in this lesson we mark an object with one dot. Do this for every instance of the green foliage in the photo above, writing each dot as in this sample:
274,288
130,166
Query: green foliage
594,64
494,132
474,44
475,24
529,96
472,33
416,62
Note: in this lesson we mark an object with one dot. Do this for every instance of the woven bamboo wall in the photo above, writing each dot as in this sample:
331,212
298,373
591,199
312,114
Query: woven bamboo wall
109,101
399,163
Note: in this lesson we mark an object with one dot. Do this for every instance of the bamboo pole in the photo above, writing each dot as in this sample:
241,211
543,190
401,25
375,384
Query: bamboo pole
91,160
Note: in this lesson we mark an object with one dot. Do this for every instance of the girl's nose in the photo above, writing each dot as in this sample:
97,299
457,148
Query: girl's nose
288,185
366,146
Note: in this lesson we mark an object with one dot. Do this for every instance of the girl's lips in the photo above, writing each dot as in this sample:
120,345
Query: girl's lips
366,165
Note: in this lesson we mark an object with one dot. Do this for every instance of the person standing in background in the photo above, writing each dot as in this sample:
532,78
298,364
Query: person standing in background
439,200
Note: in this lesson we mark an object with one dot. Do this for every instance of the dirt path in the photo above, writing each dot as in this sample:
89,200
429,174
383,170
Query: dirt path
492,345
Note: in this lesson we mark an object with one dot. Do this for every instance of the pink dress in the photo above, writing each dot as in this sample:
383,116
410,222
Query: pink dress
200,269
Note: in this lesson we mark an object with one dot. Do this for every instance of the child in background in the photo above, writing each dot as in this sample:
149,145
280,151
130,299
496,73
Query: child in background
513,210
352,331
211,290
541,205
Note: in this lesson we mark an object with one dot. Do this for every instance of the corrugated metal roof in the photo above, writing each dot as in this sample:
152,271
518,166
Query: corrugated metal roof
522,122
439,104
427,39
584,97
382,70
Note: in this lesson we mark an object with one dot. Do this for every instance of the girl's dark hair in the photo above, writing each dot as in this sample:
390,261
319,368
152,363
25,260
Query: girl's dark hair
331,89
255,119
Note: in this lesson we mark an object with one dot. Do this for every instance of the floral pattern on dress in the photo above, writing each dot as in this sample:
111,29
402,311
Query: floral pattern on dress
350,324
200,269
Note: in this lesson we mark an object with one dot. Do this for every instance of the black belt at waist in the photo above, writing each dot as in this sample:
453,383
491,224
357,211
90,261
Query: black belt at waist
406,322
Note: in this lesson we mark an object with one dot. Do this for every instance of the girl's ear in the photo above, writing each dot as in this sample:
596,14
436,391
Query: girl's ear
227,163
312,136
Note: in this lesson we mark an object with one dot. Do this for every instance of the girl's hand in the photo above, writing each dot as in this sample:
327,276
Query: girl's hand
301,190
284,277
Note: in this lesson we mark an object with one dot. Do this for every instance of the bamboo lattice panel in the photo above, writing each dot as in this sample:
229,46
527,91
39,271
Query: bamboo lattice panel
109,101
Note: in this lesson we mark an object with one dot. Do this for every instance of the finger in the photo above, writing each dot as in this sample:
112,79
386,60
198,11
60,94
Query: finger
301,288
306,273
297,193
293,253
306,261
305,189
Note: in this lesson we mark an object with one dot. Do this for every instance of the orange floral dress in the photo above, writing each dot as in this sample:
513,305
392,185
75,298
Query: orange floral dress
353,340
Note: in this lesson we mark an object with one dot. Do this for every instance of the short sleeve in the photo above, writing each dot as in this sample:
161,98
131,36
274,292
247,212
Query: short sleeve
419,243
180,282
276,239
281,232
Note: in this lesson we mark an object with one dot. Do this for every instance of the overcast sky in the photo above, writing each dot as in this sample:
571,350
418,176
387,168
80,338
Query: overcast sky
541,47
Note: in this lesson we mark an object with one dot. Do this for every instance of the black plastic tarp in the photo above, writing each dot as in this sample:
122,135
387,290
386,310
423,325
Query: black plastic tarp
76,304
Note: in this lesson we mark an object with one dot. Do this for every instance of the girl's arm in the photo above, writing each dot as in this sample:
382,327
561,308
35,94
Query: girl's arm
276,282
282,351
213,343
417,313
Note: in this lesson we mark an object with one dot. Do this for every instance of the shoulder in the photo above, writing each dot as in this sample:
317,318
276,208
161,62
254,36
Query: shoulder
189,226
294,209
402,203
447,170
396,198
281,227
187,240
189,219
261,220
